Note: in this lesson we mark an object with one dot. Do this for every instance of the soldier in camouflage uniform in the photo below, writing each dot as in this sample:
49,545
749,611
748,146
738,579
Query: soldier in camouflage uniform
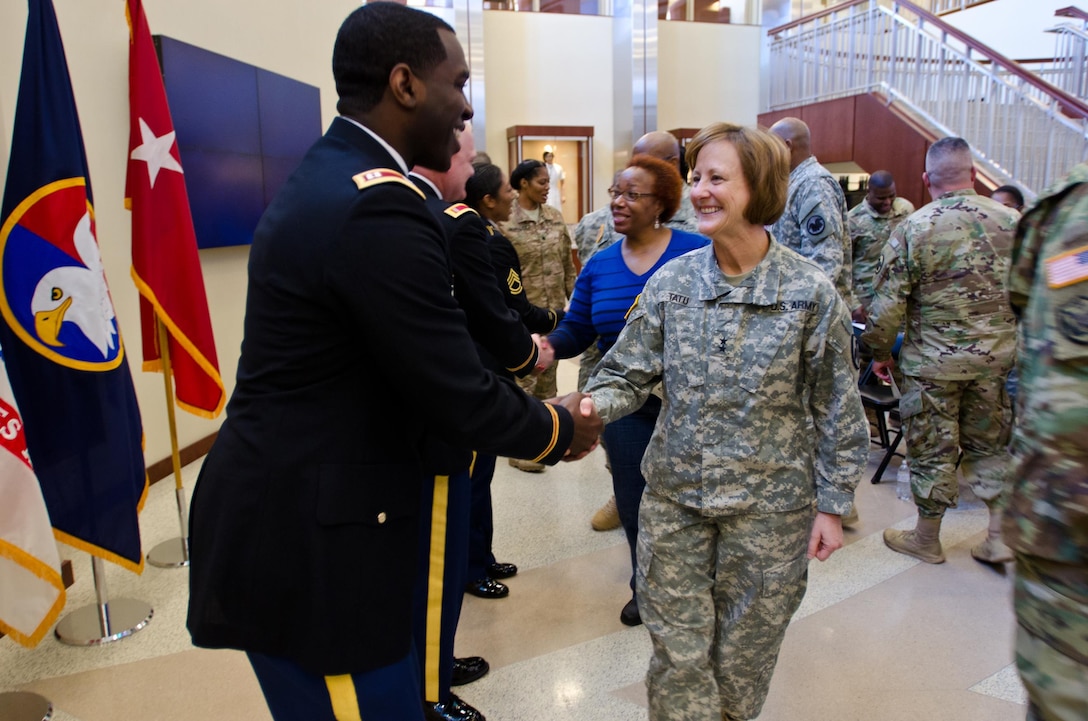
944,271
542,241
870,224
814,223
1047,511
759,445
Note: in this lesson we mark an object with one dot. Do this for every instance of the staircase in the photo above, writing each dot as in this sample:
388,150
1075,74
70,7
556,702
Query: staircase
1024,130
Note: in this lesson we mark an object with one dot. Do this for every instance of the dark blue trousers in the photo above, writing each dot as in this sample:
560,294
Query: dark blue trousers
481,522
390,693
625,441
440,579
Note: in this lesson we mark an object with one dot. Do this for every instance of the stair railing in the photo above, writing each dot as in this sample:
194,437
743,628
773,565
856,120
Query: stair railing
1023,129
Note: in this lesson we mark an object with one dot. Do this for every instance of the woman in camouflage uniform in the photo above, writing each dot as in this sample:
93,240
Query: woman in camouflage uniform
760,442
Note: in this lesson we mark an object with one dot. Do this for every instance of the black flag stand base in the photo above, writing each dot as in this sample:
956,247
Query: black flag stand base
24,706
109,620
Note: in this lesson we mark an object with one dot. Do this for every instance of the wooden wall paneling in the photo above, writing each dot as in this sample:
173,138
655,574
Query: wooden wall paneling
832,126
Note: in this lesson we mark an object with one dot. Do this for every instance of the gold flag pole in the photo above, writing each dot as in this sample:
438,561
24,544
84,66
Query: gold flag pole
175,552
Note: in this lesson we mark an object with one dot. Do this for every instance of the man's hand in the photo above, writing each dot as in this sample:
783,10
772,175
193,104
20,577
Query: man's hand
883,369
545,354
826,536
587,424
859,315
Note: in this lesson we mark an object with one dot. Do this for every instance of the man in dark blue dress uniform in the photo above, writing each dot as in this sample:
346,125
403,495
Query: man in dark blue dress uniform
304,523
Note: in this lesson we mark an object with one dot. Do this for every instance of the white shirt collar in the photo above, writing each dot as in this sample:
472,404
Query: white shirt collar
396,156
434,187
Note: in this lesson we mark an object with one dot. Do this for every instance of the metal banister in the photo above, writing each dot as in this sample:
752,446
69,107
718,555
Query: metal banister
1025,130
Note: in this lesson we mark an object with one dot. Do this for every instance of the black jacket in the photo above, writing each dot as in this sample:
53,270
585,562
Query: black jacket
354,351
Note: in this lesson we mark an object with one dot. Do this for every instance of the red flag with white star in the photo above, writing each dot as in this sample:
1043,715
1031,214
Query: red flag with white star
165,263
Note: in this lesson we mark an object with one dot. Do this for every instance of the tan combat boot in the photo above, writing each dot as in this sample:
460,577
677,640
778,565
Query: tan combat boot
924,542
993,549
607,517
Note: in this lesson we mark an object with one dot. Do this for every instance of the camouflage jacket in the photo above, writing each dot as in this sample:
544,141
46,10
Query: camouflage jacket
814,224
761,408
1047,511
944,270
595,230
543,246
869,231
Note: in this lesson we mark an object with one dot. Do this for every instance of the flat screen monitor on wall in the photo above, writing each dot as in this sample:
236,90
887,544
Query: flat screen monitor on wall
241,131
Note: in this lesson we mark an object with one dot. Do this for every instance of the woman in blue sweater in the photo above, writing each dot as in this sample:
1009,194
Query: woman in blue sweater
645,195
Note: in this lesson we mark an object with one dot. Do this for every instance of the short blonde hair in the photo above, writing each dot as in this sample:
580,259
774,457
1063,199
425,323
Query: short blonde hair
764,160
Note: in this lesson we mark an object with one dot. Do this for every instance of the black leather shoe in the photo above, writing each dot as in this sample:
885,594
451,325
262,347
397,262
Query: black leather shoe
502,570
487,588
453,710
467,670
629,616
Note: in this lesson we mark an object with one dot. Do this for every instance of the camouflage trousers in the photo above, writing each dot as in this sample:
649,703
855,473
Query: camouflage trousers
716,595
1051,601
942,418
542,386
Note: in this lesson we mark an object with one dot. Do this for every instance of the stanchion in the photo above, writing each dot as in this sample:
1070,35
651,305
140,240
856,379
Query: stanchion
107,620
175,552
24,706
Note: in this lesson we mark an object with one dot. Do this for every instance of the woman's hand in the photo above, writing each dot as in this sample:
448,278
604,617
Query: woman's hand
826,536
545,354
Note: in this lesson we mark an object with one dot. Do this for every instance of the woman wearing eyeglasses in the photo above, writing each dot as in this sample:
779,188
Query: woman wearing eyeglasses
645,195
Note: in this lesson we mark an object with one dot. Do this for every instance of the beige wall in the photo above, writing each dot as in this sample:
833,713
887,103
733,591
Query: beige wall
295,40
549,69
707,73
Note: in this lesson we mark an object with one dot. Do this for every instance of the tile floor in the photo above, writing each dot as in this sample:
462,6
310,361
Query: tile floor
879,637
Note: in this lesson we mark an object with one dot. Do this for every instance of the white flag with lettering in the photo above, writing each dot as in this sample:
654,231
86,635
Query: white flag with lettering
31,590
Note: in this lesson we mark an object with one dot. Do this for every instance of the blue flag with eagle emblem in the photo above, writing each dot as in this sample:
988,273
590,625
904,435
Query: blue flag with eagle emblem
60,335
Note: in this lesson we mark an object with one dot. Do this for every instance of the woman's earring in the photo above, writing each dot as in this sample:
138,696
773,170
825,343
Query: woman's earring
657,222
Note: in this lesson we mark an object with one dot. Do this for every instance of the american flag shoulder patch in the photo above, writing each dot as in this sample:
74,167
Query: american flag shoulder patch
1068,268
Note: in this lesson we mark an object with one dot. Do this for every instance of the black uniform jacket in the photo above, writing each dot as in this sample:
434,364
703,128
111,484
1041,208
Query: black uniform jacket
507,268
303,526
493,325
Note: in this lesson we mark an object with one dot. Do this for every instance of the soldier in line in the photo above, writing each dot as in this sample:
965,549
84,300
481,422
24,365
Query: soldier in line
304,536
870,224
507,349
543,243
944,271
760,442
1046,520
814,222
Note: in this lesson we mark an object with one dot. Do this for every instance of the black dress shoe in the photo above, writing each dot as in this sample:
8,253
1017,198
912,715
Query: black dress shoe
488,588
502,570
629,616
453,710
467,670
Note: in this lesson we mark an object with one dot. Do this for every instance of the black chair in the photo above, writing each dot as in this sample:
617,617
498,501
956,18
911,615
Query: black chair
884,404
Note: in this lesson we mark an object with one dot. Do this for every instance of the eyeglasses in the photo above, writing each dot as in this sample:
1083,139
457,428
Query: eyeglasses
629,195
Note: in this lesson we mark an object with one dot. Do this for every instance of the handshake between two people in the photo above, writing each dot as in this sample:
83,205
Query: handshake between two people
587,424
545,354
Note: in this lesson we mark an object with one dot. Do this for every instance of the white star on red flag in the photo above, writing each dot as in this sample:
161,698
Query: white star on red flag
155,151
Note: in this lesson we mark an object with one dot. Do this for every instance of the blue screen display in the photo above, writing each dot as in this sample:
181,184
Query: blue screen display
241,130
